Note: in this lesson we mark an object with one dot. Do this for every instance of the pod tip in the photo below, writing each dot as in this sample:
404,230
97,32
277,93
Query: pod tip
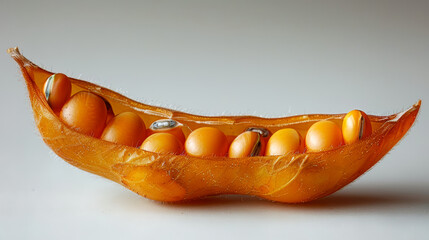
419,103
14,50
416,106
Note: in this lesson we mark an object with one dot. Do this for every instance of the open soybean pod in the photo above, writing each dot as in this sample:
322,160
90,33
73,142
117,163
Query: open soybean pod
292,178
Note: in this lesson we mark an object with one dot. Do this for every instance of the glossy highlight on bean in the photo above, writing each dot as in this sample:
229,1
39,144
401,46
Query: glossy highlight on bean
167,126
291,178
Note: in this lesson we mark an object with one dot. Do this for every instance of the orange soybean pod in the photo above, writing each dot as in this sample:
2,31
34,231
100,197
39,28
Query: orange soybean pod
292,178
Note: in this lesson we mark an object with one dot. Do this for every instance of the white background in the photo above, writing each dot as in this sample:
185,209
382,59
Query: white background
266,58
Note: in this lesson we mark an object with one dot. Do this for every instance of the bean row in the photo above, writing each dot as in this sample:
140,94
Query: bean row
93,115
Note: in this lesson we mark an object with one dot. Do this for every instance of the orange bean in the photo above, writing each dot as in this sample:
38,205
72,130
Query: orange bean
86,113
162,143
247,144
356,126
323,135
283,142
126,128
57,90
206,142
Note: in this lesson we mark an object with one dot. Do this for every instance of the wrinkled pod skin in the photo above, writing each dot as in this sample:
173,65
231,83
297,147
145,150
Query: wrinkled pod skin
292,178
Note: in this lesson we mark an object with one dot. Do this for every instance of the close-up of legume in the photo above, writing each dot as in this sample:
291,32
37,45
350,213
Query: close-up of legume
182,156
86,113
